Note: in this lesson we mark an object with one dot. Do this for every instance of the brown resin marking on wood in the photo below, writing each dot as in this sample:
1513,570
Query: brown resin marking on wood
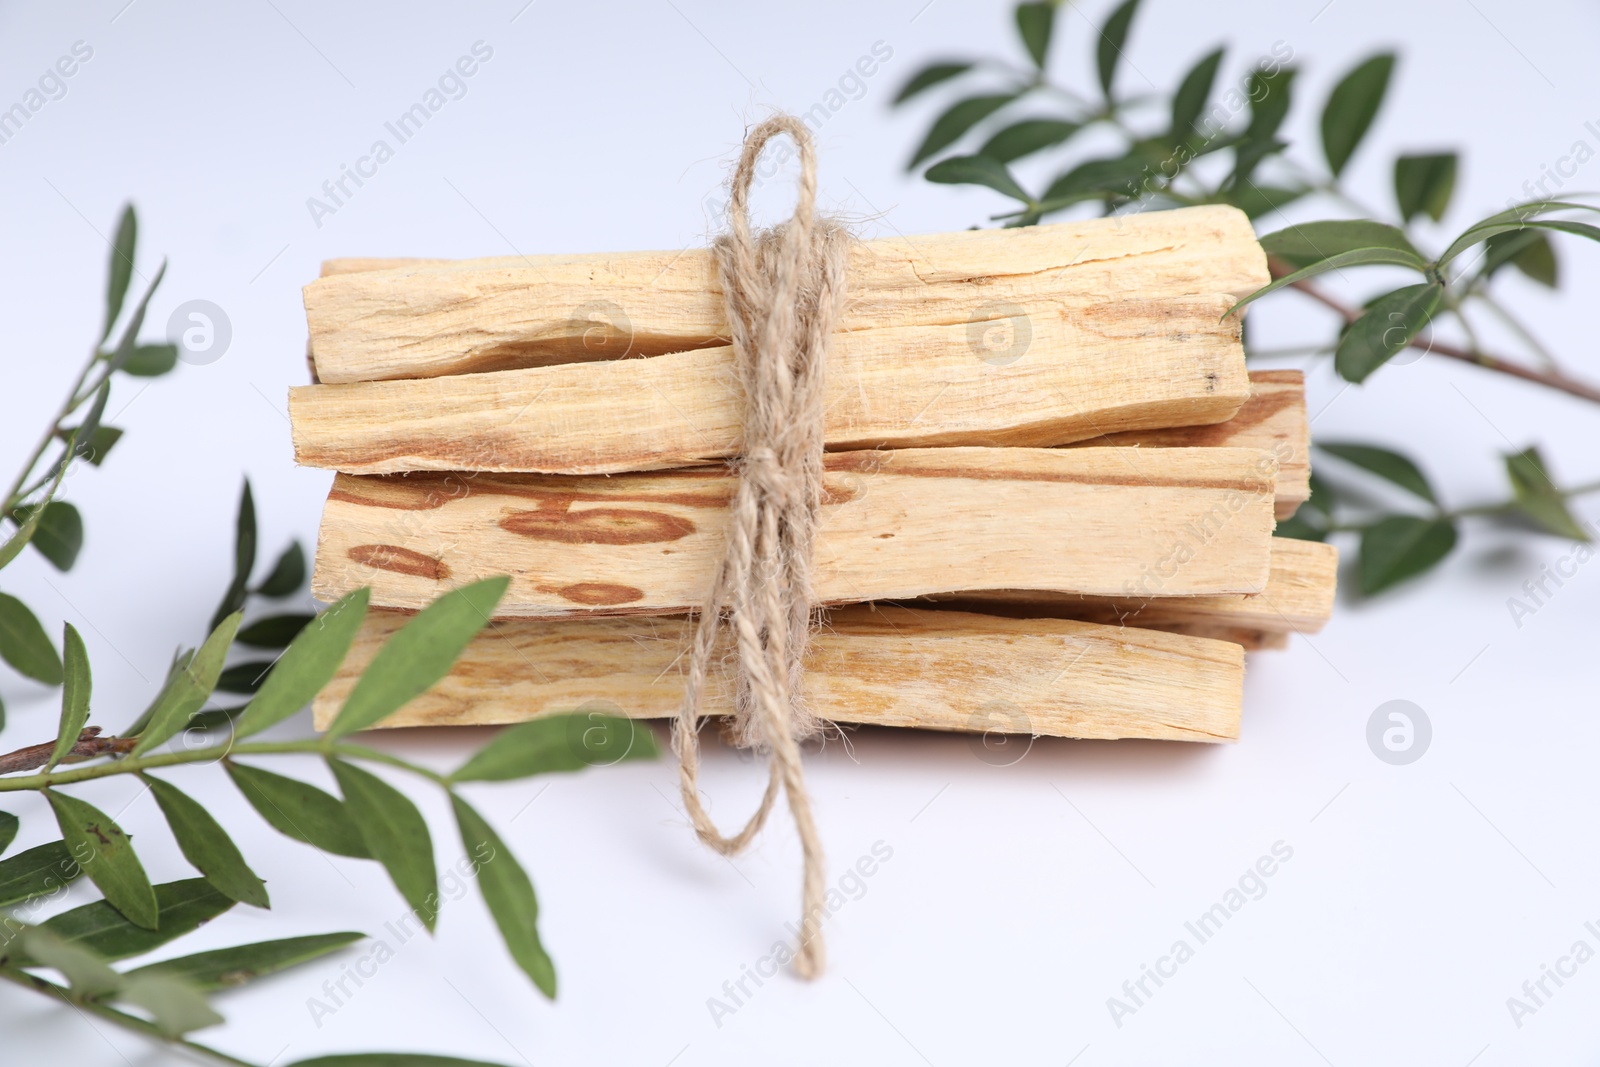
600,594
598,526
400,561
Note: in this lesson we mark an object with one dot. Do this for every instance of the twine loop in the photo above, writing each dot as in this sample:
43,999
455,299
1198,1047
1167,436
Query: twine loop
782,288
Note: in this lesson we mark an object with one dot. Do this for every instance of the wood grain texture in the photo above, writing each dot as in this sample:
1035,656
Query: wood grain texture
886,666
1274,418
422,319
1164,364
894,525
1298,598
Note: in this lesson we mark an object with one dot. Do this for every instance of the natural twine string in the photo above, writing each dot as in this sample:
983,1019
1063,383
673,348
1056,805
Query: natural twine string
782,288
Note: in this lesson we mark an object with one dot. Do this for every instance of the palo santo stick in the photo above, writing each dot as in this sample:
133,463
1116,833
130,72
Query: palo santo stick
893,525
883,666
1298,598
422,320
1273,418
898,387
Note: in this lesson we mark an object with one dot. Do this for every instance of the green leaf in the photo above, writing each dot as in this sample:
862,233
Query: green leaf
36,872
190,688
1269,95
244,557
390,1059
1352,106
227,968
24,645
1423,184
1483,233
8,830
396,834
307,666
181,907
1401,547
58,533
128,343
1387,326
1306,243
1189,102
418,655
1034,23
103,850
121,271
288,573
1122,176
95,446
86,973
175,1007
244,677
559,743
977,170
300,810
1538,498
274,631
180,663
508,892
1517,217
1113,39
151,361
929,76
1359,257
74,695
1027,137
1388,465
1528,250
960,117
207,846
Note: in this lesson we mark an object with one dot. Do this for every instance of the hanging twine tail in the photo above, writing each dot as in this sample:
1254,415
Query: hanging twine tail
782,288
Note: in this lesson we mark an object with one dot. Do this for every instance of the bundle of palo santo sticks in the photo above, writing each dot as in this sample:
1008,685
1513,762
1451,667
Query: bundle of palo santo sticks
568,420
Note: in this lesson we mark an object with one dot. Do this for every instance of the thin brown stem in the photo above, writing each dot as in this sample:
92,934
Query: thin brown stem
1551,379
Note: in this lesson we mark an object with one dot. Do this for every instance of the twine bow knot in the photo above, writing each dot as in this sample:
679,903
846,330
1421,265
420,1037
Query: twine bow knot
782,289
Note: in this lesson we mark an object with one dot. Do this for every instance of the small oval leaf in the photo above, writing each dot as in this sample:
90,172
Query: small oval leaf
74,694
1352,106
207,846
419,654
1386,327
103,850
227,968
309,664
559,743
24,644
1401,547
300,810
396,834
37,872
508,892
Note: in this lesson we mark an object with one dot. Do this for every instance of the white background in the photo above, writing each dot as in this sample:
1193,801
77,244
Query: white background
1018,898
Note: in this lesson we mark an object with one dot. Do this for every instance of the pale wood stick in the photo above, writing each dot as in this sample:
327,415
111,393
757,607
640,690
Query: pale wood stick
894,525
1298,598
427,318
1175,364
885,666
1273,418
